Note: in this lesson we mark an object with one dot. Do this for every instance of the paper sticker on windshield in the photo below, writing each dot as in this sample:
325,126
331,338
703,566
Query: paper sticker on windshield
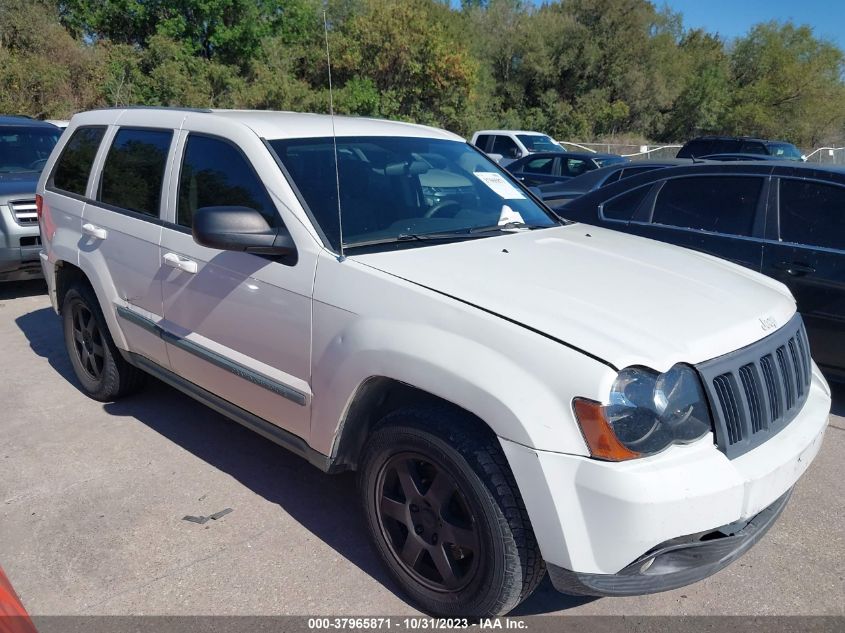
498,184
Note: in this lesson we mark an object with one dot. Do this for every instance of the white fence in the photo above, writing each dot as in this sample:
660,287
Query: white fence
827,155
823,155
635,152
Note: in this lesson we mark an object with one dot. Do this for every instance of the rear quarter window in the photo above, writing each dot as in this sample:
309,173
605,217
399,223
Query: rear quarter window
74,165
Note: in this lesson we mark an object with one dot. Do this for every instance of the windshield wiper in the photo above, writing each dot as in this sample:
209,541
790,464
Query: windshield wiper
461,234
508,226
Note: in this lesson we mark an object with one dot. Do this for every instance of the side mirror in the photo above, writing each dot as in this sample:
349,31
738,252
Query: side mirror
514,152
241,229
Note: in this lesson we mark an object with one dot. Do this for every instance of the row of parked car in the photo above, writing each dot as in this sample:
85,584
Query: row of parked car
518,393
751,201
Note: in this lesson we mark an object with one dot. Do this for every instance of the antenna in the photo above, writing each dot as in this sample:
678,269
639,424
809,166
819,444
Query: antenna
334,139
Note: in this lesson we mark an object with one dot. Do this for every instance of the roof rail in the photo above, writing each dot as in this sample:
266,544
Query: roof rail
144,107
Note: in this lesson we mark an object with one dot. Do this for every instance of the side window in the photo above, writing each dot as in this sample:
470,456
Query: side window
74,165
633,171
482,141
214,174
504,145
723,204
617,175
575,167
134,170
698,147
623,207
750,147
539,166
812,213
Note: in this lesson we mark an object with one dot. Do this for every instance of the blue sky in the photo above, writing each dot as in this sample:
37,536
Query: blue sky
731,18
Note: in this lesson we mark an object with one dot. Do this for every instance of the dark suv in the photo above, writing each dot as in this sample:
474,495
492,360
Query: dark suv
786,221
25,145
709,145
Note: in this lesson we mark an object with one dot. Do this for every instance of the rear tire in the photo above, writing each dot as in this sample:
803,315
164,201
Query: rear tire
99,367
445,514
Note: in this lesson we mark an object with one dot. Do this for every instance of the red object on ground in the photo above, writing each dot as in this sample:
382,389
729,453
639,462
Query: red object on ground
13,617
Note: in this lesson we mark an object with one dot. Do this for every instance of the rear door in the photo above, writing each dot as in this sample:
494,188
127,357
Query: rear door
538,171
572,167
238,324
723,215
122,225
808,255
504,150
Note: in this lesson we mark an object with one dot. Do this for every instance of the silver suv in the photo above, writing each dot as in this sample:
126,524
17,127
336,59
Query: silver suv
25,145
517,393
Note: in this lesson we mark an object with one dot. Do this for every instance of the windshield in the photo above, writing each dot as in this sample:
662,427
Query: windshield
395,187
25,149
539,143
786,151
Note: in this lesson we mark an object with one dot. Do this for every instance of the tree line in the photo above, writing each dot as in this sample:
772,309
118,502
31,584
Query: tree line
577,69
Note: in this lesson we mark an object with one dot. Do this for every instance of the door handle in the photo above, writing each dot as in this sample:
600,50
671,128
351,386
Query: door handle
92,230
796,269
182,263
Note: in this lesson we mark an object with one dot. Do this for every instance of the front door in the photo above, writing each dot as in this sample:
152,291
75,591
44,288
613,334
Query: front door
810,259
717,214
238,325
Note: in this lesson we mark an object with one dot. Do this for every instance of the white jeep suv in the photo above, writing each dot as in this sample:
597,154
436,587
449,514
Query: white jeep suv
517,393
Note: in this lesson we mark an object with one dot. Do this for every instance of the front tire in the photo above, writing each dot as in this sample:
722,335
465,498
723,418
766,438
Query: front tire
100,369
445,514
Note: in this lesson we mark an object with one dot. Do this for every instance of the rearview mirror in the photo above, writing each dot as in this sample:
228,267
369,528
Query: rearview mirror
241,229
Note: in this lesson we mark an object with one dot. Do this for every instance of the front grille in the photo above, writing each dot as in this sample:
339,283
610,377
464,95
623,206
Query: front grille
758,390
24,211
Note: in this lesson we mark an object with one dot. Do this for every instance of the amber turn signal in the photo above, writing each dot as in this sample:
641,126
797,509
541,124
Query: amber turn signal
600,438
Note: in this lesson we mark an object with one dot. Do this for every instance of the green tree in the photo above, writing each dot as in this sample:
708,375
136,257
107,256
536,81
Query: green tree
787,83
403,55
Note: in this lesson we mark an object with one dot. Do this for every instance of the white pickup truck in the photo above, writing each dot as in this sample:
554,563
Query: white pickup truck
517,393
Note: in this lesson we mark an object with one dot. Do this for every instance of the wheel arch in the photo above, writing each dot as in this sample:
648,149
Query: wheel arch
66,274
376,397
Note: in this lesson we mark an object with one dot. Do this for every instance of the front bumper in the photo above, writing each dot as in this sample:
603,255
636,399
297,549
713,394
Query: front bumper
599,518
19,263
675,563
19,248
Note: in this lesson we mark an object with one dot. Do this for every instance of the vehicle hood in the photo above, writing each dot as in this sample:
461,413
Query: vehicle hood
18,184
624,299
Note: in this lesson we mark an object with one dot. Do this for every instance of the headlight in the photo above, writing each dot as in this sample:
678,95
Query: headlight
646,412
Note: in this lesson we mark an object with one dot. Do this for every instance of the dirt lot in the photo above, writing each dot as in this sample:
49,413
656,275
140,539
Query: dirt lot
92,498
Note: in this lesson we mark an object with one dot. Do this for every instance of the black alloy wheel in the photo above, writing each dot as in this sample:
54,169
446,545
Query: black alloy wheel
427,522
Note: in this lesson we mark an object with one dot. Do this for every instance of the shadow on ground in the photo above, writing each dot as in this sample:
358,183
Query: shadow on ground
17,289
838,393
321,503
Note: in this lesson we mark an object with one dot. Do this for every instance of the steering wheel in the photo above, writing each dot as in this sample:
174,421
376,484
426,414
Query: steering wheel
440,206
38,164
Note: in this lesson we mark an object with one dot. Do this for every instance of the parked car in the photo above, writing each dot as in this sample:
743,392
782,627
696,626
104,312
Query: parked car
25,145
546,167
735,157
708,145
505,146
784,220
556,195
505,416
